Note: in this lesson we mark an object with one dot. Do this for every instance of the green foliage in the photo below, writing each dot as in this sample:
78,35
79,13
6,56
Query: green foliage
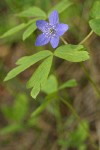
73,53
20,112
80,135
77,138
95,11
60,7
8,112
40,76
10,129
45,103
51,88
26,62
33,12
95,25
29,30
51,85
69,83
16,115
16,29
95,14
17,112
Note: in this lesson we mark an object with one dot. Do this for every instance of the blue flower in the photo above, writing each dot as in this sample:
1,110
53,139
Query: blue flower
51,31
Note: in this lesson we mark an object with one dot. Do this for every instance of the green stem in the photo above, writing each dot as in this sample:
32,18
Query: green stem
85,39
85,69
79,120
65,42
90,79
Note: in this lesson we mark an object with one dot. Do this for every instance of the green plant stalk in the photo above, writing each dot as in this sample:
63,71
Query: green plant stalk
85,69
79,120
65,42
86,38
97,91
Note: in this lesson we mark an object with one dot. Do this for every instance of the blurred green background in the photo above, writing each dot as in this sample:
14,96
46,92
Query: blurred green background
54,127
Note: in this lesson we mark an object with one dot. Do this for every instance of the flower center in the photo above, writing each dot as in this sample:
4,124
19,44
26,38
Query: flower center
50,31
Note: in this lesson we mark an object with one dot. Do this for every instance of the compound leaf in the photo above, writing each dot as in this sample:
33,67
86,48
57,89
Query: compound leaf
73,53
40,76
25,62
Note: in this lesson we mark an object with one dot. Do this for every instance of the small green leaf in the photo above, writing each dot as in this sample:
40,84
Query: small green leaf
40,76
83,130
73,53
7,112
16,29
29,31
79,135
35,91
60,7
95,25
69,83
26,62
10,128
95,11
51,85
20,107
33,12
18,110
13,30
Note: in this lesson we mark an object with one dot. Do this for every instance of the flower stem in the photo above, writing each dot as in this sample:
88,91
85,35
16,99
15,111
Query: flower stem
65,42
85,39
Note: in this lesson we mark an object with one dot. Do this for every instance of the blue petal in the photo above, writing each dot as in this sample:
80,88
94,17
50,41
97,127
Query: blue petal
54,41
41,24
42,39
61,29
53,18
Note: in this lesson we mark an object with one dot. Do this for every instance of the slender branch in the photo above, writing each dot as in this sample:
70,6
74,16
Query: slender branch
85,39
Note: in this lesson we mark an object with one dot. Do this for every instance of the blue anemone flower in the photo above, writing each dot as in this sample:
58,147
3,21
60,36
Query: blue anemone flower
51,31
